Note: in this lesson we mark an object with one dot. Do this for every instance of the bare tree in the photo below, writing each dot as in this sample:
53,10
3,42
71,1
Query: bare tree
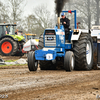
4,16
87,10
83,9
43,16
30,23
16,10
97,12
39,20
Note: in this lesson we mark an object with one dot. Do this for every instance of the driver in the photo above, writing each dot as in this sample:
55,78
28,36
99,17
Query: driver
66,23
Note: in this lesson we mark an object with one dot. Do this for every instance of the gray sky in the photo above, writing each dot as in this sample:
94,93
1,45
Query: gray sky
34,3
30,4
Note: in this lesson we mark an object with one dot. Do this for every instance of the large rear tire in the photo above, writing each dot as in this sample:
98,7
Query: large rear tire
69,61
8,47
83,51
32,62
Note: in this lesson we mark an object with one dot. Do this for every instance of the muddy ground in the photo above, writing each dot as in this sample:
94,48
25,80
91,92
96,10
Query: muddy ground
18,83
5,58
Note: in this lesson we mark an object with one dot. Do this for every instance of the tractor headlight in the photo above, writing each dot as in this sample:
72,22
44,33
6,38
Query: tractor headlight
76,31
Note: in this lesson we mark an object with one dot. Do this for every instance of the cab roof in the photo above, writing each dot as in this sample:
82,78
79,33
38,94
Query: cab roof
7,24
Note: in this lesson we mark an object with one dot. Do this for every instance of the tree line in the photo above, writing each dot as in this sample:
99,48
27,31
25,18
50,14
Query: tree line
12,12
87,12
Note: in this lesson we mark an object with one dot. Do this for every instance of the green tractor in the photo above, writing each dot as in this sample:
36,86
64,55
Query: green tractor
11,43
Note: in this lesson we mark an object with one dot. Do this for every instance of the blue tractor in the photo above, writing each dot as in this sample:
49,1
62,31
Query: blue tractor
54,50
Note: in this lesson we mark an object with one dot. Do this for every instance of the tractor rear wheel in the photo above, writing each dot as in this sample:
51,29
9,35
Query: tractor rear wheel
69,61
83,51
8,47
32,62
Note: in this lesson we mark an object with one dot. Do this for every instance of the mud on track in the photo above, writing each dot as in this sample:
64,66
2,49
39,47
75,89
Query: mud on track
20,84
5,58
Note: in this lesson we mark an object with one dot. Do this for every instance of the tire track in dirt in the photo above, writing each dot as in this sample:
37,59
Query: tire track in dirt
20,84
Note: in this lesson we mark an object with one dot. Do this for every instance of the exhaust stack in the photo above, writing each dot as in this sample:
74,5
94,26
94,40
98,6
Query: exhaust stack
59,6
58,22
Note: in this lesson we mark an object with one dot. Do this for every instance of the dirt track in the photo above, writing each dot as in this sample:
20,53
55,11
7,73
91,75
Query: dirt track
5,58
20,84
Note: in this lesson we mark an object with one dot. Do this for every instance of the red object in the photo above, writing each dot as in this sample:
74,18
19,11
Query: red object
36,47
6,47
70,11
24,51
77,25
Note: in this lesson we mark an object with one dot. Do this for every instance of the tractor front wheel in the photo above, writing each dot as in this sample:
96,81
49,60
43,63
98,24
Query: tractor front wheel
69,61
32,62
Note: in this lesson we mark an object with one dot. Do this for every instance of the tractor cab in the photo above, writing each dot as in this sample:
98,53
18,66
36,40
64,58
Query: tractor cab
6,29
10,30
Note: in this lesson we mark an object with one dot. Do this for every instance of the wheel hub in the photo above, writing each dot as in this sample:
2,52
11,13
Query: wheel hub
88,52
72,63
6,47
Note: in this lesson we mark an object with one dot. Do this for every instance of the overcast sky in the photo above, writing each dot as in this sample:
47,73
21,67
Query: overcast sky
34,3
30,4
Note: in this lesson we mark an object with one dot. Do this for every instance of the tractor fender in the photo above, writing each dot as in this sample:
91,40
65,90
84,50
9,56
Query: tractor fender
8,37
76,34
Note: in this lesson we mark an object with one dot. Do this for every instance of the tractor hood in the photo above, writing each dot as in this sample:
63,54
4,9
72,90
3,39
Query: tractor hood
54,37
20,38
17,37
